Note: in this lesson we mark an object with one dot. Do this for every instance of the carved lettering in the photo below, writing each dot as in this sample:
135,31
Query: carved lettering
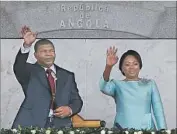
94,24
75,8
87,8
97,23
87,15
69,8
62,24
88,24
63,8
80,23
70,23
106,24
81,7
82,17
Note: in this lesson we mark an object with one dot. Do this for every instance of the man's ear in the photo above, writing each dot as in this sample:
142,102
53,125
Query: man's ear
35,55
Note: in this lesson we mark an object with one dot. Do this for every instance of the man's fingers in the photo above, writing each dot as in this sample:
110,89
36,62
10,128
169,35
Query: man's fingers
27,30
58,113
35,34
113,48
117,58
23,31
115,51
61,111
110,49
108,53
58,110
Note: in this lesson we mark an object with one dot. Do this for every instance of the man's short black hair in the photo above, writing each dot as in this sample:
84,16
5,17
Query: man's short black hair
42,42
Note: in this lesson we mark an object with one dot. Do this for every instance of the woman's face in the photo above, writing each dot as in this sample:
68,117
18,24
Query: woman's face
131,67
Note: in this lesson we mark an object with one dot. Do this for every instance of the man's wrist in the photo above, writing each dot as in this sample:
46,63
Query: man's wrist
25,49
26,45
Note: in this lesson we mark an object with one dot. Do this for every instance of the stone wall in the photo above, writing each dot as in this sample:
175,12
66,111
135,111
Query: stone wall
116,19
86,58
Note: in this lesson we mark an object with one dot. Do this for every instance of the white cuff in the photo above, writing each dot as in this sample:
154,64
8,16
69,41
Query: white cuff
25,50
71,112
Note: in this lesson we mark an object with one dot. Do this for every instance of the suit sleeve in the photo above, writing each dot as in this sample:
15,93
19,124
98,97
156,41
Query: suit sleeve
21,69
75,99
158,108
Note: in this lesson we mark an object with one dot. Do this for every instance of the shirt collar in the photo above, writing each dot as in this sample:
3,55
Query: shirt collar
52,68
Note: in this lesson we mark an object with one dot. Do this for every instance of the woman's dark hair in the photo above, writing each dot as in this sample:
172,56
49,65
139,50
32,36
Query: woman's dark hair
133,53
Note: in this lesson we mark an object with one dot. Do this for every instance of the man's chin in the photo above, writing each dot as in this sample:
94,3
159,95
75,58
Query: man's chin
49,64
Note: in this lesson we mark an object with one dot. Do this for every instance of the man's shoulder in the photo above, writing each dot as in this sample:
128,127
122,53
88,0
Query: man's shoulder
65,71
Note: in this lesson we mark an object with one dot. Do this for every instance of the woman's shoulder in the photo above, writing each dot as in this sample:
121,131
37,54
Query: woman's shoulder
146,80
141,80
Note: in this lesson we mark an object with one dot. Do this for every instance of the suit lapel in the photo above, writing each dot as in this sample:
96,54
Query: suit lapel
41,74
60,82
61,79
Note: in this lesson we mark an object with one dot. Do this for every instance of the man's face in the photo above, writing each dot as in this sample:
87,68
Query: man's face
45,55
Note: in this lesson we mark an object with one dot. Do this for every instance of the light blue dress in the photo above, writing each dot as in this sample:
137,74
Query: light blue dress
136,102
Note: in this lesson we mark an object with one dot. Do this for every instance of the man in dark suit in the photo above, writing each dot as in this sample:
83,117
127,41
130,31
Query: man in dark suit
51,94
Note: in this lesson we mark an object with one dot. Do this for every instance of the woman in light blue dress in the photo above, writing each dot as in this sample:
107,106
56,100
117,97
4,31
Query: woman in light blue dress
137,99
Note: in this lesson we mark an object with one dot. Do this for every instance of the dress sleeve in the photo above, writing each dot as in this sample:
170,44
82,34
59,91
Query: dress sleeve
108,88
157,106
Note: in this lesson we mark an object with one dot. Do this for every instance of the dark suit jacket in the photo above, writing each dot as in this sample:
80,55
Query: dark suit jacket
35,107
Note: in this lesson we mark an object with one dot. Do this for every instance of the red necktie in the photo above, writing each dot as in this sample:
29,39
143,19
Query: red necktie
52,85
